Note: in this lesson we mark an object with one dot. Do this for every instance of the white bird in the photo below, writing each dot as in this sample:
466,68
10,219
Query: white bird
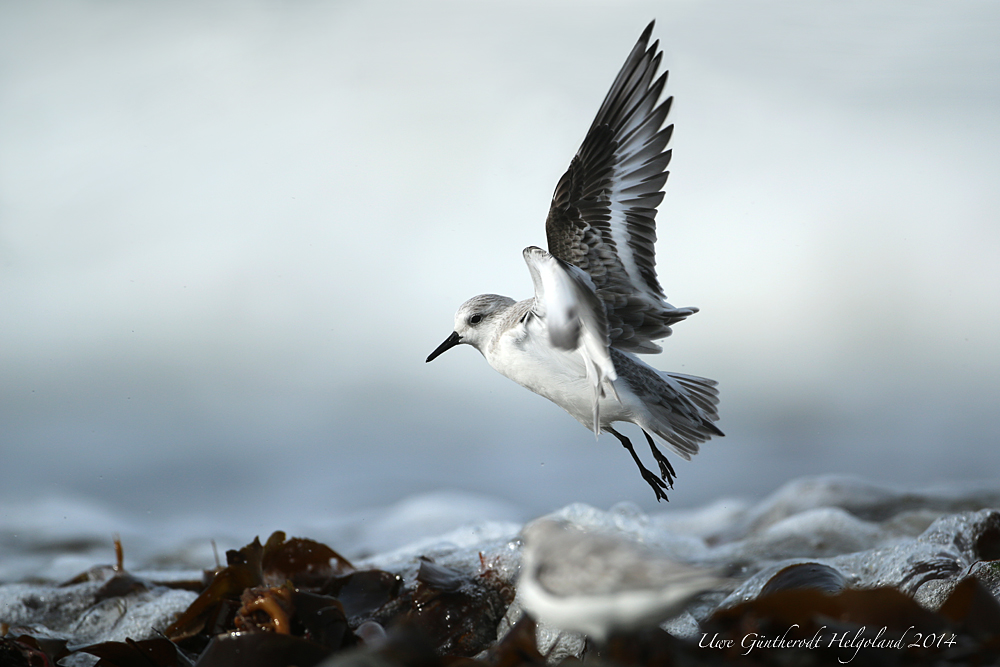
597,300
598,583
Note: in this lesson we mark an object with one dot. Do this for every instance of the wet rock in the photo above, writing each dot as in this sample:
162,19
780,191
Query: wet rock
824,554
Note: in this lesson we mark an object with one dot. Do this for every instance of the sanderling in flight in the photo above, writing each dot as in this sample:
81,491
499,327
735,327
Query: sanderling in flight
597,300
598,583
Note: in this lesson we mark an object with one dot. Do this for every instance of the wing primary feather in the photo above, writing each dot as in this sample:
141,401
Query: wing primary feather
603,214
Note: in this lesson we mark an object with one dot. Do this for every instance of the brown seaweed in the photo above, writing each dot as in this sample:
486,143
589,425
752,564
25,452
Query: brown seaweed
298,602
157,652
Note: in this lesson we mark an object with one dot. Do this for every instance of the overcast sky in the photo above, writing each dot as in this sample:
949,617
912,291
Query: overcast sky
230,233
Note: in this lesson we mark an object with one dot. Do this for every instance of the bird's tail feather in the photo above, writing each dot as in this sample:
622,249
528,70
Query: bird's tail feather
686,413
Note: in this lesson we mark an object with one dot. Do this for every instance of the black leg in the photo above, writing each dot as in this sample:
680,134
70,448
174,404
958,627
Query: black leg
648,475
666,470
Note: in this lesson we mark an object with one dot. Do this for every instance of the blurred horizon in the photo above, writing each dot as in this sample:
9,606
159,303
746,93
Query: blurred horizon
230,234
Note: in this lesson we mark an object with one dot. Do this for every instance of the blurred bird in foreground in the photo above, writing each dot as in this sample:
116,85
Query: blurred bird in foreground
597,583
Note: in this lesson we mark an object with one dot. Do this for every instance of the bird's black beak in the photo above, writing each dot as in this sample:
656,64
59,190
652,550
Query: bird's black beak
449,342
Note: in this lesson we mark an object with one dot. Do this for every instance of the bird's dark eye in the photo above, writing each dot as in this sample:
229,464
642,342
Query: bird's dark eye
476,319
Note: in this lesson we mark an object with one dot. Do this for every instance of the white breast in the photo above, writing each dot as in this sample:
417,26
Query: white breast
524,355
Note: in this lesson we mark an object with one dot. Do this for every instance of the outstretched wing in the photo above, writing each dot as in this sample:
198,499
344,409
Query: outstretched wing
574,317
602,217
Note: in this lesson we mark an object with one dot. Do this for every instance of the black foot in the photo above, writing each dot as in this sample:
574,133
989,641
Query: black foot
666,470
654,482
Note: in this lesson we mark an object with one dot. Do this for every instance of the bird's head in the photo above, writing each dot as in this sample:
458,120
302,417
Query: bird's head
475,322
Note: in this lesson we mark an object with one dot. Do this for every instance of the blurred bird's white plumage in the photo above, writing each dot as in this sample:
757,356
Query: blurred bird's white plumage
597,583
597,300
